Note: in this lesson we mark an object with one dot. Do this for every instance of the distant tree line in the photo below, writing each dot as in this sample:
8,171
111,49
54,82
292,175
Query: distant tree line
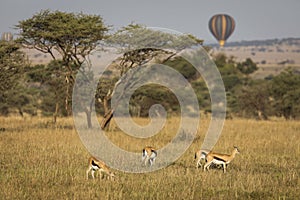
268,42
46,89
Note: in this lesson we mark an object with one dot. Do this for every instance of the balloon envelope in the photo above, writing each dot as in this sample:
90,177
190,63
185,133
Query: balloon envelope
221,26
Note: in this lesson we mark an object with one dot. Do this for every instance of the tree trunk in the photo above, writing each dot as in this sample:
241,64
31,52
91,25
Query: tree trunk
56,112
20,111
108,113
106,119
88,112
262,115
105,104
89,118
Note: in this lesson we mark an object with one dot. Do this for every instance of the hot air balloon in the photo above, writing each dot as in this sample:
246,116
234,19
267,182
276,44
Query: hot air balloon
221,26
7,36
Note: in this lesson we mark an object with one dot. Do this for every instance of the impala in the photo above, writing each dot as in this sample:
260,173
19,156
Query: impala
148,155
200,156
95,165
220,159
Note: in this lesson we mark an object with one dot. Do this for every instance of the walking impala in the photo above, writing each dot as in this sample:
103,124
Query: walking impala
220,159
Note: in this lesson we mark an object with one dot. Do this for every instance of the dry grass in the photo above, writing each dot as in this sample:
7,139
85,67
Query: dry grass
41,161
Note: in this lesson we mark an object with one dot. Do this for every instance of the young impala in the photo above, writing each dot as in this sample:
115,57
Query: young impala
95,165
148,155
220,159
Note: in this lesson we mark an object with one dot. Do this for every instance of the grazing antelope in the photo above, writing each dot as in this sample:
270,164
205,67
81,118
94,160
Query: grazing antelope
148,155
95,165
220,159
200,156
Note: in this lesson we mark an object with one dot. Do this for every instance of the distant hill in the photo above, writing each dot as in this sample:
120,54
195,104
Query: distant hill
272,55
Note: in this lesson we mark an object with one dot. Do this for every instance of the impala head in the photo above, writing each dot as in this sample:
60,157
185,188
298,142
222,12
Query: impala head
236,149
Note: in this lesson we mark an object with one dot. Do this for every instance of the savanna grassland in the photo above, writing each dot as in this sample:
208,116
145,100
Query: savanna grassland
39,160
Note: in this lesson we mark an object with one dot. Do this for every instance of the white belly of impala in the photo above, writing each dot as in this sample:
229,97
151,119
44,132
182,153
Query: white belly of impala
94,167
218,162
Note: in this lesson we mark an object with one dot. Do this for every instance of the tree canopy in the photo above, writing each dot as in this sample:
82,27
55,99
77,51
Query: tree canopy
65,36
72,35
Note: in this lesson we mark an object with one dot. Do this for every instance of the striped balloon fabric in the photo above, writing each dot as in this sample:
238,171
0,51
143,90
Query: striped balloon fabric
221,26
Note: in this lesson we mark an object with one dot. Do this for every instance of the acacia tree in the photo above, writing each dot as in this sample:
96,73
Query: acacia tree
254,100
285,92
247,67
12,62
141,45
66,36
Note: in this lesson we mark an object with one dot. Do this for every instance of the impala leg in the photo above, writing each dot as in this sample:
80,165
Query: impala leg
152,161
100,174
87,172
93,174
207,165
199,164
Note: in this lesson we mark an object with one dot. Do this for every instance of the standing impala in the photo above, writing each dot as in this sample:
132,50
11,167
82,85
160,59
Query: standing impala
200,156
149,154
95,165
220,159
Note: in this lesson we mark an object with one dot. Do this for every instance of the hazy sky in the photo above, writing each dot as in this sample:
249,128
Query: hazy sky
255,19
